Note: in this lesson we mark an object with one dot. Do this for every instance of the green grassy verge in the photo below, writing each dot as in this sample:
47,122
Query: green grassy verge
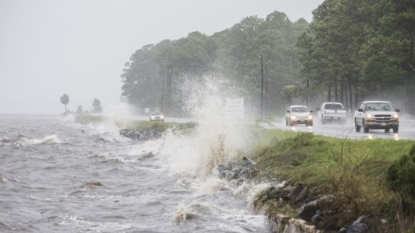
138,124
354,171
86,118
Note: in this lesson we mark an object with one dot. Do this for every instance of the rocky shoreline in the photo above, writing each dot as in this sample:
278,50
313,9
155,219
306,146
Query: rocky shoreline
309,218
145,134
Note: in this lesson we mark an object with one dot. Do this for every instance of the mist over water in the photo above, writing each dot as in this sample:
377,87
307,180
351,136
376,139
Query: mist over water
218,139
60,176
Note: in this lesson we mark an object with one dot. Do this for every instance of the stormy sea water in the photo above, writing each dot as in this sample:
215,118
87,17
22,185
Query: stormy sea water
57,175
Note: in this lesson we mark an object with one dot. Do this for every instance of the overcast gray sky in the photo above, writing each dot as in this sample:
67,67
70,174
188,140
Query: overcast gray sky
79,47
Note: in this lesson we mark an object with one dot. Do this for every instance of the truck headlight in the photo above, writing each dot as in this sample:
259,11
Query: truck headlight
310,117
293,117
369,117
395,116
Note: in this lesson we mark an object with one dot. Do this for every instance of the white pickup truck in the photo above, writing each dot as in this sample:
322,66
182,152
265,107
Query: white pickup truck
332,111
376,115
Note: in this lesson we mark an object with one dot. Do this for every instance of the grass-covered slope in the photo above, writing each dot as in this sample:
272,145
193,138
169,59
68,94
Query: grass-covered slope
356,172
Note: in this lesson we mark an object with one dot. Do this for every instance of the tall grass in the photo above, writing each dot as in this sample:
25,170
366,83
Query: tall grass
354,171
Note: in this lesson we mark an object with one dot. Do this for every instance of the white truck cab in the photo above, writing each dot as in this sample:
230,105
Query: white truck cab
376,115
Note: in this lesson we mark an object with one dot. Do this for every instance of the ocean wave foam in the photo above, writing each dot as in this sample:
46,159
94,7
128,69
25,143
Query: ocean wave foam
50,139
183,214
216,140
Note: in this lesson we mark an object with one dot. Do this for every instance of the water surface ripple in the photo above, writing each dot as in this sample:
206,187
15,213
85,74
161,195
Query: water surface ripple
60,176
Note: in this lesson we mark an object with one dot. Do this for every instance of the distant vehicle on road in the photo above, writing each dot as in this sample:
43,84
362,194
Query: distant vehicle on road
299,114
376,115
156,116
332,112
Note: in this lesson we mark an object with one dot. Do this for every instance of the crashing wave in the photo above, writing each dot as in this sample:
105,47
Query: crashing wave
183,214
50,139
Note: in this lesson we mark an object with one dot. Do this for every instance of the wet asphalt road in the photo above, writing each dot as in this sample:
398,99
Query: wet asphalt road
406,130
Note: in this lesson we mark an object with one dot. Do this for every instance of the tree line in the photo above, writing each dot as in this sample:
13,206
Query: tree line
96,105
155,74
351,51
356,50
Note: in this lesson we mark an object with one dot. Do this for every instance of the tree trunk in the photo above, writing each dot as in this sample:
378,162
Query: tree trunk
329,93
342,92
307,92
407,102
349,80
356,98
336,94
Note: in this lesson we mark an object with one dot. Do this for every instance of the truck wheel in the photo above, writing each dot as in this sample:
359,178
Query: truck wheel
395,129
286,122
290,123
357,127
387,130
322,120
311,123
365,128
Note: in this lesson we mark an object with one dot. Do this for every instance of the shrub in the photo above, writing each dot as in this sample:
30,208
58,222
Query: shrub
401,179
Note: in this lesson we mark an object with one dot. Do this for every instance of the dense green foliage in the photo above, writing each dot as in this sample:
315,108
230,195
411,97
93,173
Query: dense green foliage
158,76
401,179
351,51
360,49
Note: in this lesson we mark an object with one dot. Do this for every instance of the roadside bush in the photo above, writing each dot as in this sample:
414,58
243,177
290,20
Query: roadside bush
401,179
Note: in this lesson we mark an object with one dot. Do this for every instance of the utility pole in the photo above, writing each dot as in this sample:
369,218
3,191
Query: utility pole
162,95
307,86
166,59
266,88
168,81
409,74
262,88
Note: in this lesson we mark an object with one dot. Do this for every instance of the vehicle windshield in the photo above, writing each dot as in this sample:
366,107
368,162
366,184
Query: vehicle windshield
300,109
378,107
333,106
156,113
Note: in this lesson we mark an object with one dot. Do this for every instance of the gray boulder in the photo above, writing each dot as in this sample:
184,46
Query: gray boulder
356,228
145,134
236,170
316,216
309,210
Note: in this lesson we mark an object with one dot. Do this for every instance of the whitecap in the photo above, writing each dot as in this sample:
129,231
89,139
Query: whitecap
183,214
49,139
